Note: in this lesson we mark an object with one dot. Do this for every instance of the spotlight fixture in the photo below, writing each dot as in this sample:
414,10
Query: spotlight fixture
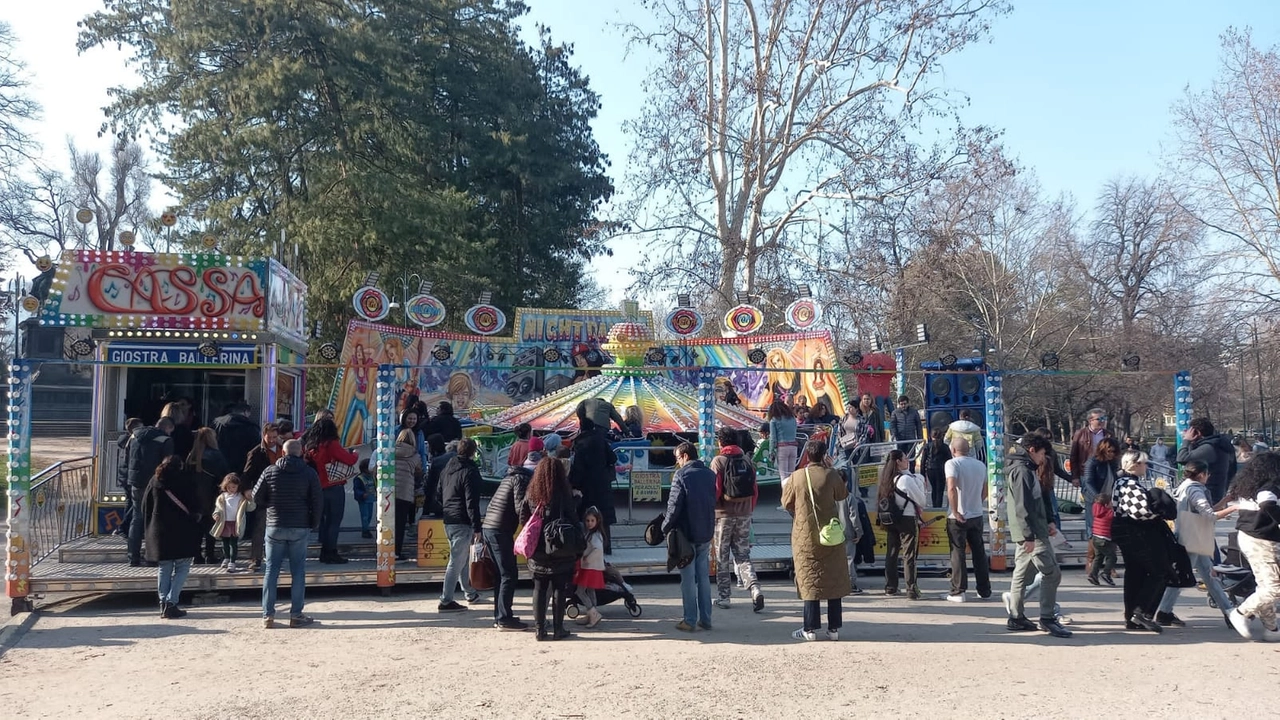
684,300
803,290
851,358
1131,362
655,356
922,333
877,343
442,353
756,356
328,352
948,361
82,347
209,349
1049,361
552,355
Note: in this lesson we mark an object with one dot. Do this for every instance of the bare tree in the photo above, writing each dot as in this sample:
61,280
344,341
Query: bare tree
17,108
39,216
766,120
1229,156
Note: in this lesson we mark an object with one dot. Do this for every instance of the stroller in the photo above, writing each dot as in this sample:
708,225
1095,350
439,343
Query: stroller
615,588
1237,581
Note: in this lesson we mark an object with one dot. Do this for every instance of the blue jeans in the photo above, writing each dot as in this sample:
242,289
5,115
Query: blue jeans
459,562
695,586
1204,567
137,526
334,504
366,514
171,578
502,546
291,544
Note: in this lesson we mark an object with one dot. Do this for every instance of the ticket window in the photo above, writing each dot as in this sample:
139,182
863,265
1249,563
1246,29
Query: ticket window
148,390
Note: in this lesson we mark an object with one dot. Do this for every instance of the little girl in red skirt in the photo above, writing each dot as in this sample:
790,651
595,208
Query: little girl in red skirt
590,575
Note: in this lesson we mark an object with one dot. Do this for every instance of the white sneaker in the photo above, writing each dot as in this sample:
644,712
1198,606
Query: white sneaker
833,635
962,597
1008,603
722,603
1270,635
1241,623
802,634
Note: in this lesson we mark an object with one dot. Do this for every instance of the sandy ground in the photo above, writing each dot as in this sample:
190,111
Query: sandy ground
395,657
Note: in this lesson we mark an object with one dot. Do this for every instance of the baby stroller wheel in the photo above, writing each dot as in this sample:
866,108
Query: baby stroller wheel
634,609
1212,604
571,611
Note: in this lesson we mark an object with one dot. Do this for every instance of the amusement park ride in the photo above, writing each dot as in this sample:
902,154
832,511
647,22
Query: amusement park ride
217,328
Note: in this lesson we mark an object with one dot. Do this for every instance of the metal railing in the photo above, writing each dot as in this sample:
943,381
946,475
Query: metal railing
60,506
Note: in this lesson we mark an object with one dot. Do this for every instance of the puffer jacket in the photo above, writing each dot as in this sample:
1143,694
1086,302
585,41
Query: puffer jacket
290,491
691,506
408,472
905,425
1216,452
460,493
146,449
503,513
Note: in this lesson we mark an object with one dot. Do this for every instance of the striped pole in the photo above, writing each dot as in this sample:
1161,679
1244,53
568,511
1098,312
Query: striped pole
385,469
17,561
995,468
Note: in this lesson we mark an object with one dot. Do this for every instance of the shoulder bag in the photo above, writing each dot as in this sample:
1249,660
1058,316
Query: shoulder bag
832,533
530,535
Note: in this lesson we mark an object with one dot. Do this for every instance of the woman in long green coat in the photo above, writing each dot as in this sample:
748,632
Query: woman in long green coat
812,495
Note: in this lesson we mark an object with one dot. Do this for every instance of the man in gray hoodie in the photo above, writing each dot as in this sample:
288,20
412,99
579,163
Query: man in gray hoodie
1202,442
1029,531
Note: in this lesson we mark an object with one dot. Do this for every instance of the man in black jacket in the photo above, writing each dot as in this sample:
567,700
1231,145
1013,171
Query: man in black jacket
460,506
289,491
145,449
122,475
440,458
261,457
499,529
1202,442
237,434
445,424
906,427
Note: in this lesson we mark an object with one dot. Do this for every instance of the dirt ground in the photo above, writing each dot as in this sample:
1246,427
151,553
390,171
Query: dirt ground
396,657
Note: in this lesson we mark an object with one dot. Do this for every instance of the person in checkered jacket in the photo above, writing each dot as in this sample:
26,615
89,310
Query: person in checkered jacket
1140,535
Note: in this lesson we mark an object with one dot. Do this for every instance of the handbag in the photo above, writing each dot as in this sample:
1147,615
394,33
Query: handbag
832,533
530,536
482,571
1180,570
339,472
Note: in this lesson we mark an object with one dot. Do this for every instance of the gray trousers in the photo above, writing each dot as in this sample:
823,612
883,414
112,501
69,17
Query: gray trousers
1025,566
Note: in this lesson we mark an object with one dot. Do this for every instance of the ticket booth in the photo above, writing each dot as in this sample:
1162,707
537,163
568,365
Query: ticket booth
208,328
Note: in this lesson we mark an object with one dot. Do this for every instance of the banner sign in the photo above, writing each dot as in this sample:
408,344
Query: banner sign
933,534
646,486
180,354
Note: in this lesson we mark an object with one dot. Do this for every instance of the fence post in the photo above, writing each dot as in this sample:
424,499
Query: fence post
17,561
1181,404
995,468
385,470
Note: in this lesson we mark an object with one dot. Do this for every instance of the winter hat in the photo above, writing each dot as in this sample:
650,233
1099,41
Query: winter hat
552,442
536,445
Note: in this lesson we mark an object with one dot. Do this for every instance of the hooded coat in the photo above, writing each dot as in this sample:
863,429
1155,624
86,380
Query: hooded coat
1216,452
172,533
593,471
408,472
822,571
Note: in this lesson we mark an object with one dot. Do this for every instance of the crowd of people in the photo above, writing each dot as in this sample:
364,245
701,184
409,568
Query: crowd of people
185,501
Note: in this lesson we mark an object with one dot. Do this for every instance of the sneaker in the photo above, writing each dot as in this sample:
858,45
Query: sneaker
891,591
757,601
914,594
1272,636
1108,579
1145,622
268,622
225,564
704,625
683,626
805,635
1020,624
581,619
473,598
300,621
1168,619
958,598
450,607
1240,622
1093,579
511,625
594,617
1052,627
722,603
855,590
1008,603
833,635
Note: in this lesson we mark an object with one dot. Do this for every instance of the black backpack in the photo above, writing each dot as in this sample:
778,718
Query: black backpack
739,478
887,511
563,539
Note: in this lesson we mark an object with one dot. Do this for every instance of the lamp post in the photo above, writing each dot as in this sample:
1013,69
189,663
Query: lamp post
402,287
1257,355
1244,406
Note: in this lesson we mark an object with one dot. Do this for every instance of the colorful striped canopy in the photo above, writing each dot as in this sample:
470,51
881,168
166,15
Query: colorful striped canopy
665,406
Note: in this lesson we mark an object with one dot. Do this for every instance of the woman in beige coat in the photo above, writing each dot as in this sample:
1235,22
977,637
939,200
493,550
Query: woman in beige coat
822,572
408,486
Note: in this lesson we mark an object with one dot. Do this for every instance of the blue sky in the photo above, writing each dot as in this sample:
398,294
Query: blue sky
1081,88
